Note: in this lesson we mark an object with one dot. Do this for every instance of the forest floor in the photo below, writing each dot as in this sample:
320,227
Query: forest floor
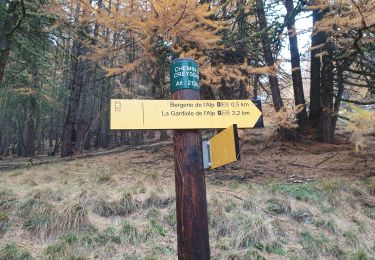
283,200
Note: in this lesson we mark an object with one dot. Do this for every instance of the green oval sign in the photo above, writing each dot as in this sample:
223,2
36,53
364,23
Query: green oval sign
184,74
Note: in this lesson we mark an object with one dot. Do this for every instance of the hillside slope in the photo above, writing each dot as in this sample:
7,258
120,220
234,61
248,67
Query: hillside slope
282,201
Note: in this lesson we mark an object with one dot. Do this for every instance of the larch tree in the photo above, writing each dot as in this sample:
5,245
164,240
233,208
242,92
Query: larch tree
12,14
342,46
299,96
268,55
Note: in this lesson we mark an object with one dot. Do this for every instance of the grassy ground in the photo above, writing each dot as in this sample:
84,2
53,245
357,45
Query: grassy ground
122,206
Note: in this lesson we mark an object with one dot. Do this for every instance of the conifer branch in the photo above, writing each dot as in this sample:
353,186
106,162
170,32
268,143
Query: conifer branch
19,20
359,102
182,15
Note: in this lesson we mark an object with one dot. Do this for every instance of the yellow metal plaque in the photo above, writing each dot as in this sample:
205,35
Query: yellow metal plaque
182,114
224,147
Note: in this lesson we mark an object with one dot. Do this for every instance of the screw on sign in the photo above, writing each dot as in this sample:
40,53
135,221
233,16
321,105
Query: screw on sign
191,202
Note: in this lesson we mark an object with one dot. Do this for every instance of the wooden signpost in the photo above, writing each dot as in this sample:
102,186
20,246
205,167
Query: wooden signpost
186,114
191,202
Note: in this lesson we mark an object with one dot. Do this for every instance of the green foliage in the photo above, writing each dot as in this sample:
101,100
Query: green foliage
163,250
55,250
369,212
154,214
361,225
159,228
154,200
276,206
13,252
4,223
315,246
250,231
307,192
39,217
109,235
69,238
360,254
125,206
42,219
275,248
170,218
328,225
7,199
351,239
303,216
229,205
131,234
254,255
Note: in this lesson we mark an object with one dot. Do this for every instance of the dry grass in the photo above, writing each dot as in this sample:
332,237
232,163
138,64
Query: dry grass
113,210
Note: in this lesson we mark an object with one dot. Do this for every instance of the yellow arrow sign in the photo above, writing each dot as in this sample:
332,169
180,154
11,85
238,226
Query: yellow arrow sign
182,114
224,147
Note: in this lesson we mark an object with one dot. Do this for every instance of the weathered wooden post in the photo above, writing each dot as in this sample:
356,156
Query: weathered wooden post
191,202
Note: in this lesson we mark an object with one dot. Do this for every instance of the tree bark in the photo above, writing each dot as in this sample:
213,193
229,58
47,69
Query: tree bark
326,123
4,42
20,151
275,90
151,134
67,139
164,134
30,129
84,121
255,86
340,92
317,39
57,136
244,94
4,54
299,97
8,25
105,114
191,202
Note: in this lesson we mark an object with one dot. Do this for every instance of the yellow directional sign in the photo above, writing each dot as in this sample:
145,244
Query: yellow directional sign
224,147
182,114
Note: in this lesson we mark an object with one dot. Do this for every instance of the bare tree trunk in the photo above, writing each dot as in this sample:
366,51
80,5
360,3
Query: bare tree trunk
84,123
164,134
30,129
105,114
57,139
78,67
299,97
244,94
326,123
87,145
20,151
151,134
50,131
67,136
317,39
275,90
255,86
4,41
340,91
4,54
136,137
